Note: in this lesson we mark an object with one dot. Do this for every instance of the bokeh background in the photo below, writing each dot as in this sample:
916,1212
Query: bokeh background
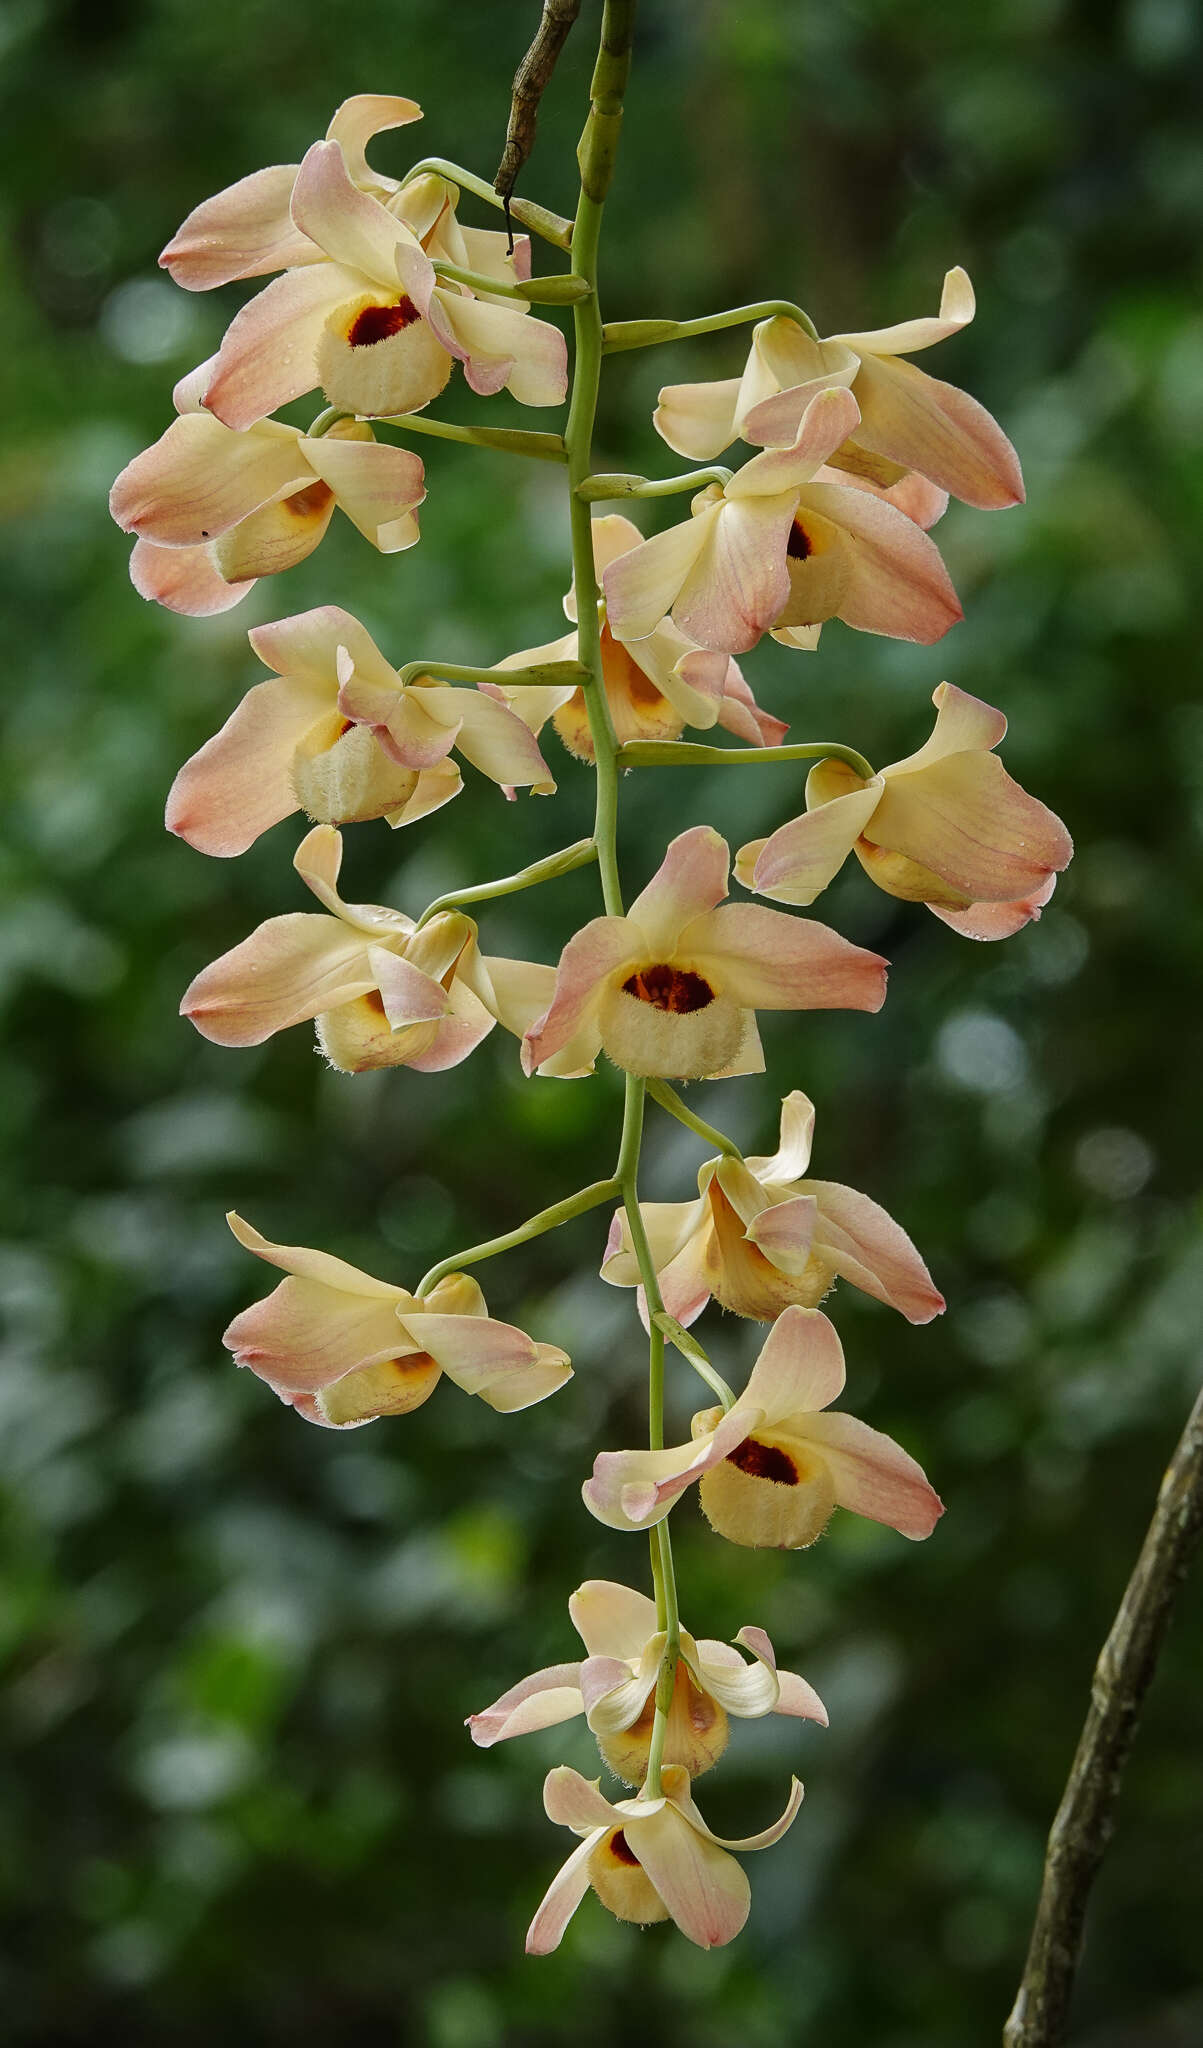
237,1794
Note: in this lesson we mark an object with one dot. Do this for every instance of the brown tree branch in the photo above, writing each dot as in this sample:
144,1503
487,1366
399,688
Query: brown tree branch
530,83
1086,1816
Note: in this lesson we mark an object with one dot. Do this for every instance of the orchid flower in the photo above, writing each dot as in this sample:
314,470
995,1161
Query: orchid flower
773,1468
647,1860
760,1238
370,323
614,1687
655,687
946,827
909,421
213,509
292,744
247,230
776,550
343,1349
383,993
672,988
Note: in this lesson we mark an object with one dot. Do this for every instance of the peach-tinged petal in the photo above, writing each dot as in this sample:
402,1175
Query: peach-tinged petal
768,961
358,234
541,1701
996,920
957,307
785,1233
199,479
794,1695
269,354
739,584
276,537
288,970
240,782
634,1489
705,1890
498,346
456,1035
797,861
748,1690
963,724
669,1227
408,995
866,1246
641,585
502,1365
897,583
241,232
306,1335
800,1367
615,1696
578,1803
563,1896
379,488
588,960
911,493
496,741
874,1476
964,819
698,420
307,1264
185,580
612,1620
792,1157
830,417
676,1786
361,117
929,426
690,880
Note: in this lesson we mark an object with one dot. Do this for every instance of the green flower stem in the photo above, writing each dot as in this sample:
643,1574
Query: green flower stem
534,291
535,1226
685,754
616,484
505,440
452,672
624,334
330,417
595,155
545,870
669,1099
552,227
688,1346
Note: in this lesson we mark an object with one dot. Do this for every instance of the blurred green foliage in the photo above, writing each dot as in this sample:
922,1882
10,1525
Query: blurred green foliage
239,1650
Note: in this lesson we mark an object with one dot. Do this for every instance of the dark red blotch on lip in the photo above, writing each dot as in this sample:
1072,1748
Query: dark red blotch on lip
378,323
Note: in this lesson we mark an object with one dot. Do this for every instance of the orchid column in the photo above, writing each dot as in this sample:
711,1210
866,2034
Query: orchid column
382,291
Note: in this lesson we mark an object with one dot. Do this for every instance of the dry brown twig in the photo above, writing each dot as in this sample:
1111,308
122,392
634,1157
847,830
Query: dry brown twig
530,83
1085,1818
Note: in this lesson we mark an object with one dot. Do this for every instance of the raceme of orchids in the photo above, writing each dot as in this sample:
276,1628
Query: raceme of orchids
376,292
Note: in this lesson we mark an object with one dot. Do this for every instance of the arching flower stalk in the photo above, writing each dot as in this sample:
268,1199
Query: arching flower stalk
381,290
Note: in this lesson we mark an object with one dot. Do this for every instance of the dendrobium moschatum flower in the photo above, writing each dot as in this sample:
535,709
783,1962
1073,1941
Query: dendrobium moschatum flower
647,1860
656,686
247,230
774,1467
672,988
909,421
370,323
213,510
292,744
946,827
761,1238
343,1349
614,1687
383,992
776,550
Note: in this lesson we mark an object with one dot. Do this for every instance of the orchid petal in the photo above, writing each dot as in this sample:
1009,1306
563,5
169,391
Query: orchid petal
184,580
361,117
290,969
866,1246
269,354
704,1889
768,961
634,1489
612,1620
996,920
591,956
739,584
698,420
578,1803
495,1361
690,880
199,479
642,585
800,1368
561,1899
306,1264
797,861
244,231
360,236
379,488
873,1475
897,583
957,307
541,1701
792,1157
924,424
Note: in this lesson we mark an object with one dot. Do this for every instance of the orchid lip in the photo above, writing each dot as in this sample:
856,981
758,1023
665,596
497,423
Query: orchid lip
764,1461
677,990
378,323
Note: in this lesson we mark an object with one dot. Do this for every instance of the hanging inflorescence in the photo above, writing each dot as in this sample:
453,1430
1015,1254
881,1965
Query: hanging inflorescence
381,291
